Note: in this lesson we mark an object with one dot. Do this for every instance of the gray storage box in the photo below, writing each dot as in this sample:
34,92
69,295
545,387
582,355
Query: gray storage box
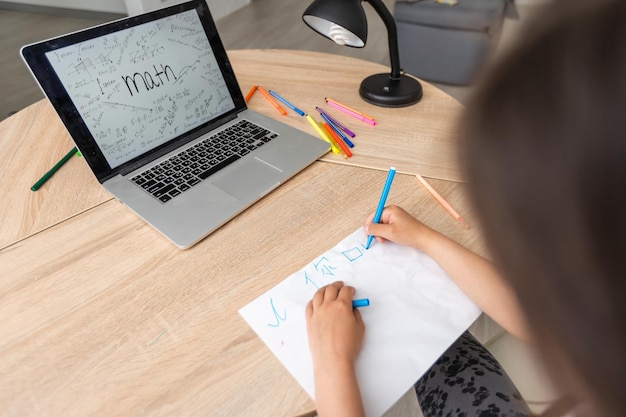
444,43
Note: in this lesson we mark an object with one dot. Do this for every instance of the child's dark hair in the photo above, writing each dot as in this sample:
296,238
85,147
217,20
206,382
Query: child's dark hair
543,146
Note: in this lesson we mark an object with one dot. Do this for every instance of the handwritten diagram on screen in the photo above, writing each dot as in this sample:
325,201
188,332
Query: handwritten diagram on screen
140,87
415,313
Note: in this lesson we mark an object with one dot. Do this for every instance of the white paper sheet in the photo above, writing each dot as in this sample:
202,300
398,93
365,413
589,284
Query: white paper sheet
415,313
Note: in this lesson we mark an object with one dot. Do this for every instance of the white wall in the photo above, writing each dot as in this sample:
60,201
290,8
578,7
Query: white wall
219,8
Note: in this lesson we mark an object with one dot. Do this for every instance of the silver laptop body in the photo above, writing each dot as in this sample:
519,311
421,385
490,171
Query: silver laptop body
142,96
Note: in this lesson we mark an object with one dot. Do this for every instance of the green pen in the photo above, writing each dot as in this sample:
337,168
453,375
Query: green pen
54,169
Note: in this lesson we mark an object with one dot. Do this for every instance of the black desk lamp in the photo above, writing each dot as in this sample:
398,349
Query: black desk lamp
344,22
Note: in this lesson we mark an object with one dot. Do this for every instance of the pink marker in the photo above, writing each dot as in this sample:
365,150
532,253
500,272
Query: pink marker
351,112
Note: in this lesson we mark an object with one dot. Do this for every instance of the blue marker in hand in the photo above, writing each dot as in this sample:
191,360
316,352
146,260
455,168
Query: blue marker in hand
381,203
362,302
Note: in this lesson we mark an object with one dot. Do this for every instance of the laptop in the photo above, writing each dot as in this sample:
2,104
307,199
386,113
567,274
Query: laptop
153,105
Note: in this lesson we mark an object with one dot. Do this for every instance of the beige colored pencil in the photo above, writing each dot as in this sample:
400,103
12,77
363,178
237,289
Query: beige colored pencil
442,201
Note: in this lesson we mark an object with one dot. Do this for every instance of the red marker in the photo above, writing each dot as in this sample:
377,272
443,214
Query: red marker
338,140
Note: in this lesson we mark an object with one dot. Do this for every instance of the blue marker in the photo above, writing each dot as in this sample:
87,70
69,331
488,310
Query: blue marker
337,130
336,123
381,203
363,302
288,104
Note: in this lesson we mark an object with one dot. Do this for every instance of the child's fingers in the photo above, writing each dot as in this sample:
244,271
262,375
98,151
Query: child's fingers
346,293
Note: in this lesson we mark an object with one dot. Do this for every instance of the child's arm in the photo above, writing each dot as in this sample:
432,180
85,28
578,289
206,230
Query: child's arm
474,275
335,331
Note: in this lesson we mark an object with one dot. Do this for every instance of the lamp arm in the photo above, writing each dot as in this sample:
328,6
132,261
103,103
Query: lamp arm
392,34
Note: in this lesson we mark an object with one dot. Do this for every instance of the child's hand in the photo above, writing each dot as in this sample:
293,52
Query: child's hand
334,328
335,333
398,226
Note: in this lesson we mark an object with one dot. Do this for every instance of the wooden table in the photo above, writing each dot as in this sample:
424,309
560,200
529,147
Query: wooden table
101,316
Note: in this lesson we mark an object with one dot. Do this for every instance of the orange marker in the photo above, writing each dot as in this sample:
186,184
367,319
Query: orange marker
271,100
333,145
252,90
338,140
442,201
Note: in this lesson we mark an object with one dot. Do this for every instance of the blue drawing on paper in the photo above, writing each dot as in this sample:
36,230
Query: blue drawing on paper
308,280
352,254
324,266
276,315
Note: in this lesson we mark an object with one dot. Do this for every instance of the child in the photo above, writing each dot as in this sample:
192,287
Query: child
543,146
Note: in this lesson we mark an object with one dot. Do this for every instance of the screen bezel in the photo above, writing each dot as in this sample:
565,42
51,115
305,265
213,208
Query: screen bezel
35,57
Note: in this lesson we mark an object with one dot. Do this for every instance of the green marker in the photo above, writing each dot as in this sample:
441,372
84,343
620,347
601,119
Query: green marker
54,169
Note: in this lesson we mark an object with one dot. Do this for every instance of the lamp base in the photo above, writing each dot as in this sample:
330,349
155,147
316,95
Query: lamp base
381,90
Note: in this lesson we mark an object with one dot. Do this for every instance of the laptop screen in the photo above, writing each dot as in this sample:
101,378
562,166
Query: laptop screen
138,88
133,90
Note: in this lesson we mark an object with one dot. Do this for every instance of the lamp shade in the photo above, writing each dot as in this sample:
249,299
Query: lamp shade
342,21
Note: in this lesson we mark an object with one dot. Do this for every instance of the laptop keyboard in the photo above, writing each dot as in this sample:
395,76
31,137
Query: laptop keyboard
182,171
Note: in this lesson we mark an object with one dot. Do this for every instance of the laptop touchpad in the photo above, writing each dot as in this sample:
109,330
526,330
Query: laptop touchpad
252,178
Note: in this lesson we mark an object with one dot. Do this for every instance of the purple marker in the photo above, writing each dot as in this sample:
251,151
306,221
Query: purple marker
336,129
335,122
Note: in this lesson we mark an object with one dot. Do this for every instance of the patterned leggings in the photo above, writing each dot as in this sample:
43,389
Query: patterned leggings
467,381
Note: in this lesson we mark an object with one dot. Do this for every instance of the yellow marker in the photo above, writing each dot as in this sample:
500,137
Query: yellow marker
321,133
333,144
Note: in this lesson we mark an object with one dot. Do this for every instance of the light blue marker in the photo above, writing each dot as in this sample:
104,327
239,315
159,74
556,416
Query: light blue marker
362,302
288,104
381,203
